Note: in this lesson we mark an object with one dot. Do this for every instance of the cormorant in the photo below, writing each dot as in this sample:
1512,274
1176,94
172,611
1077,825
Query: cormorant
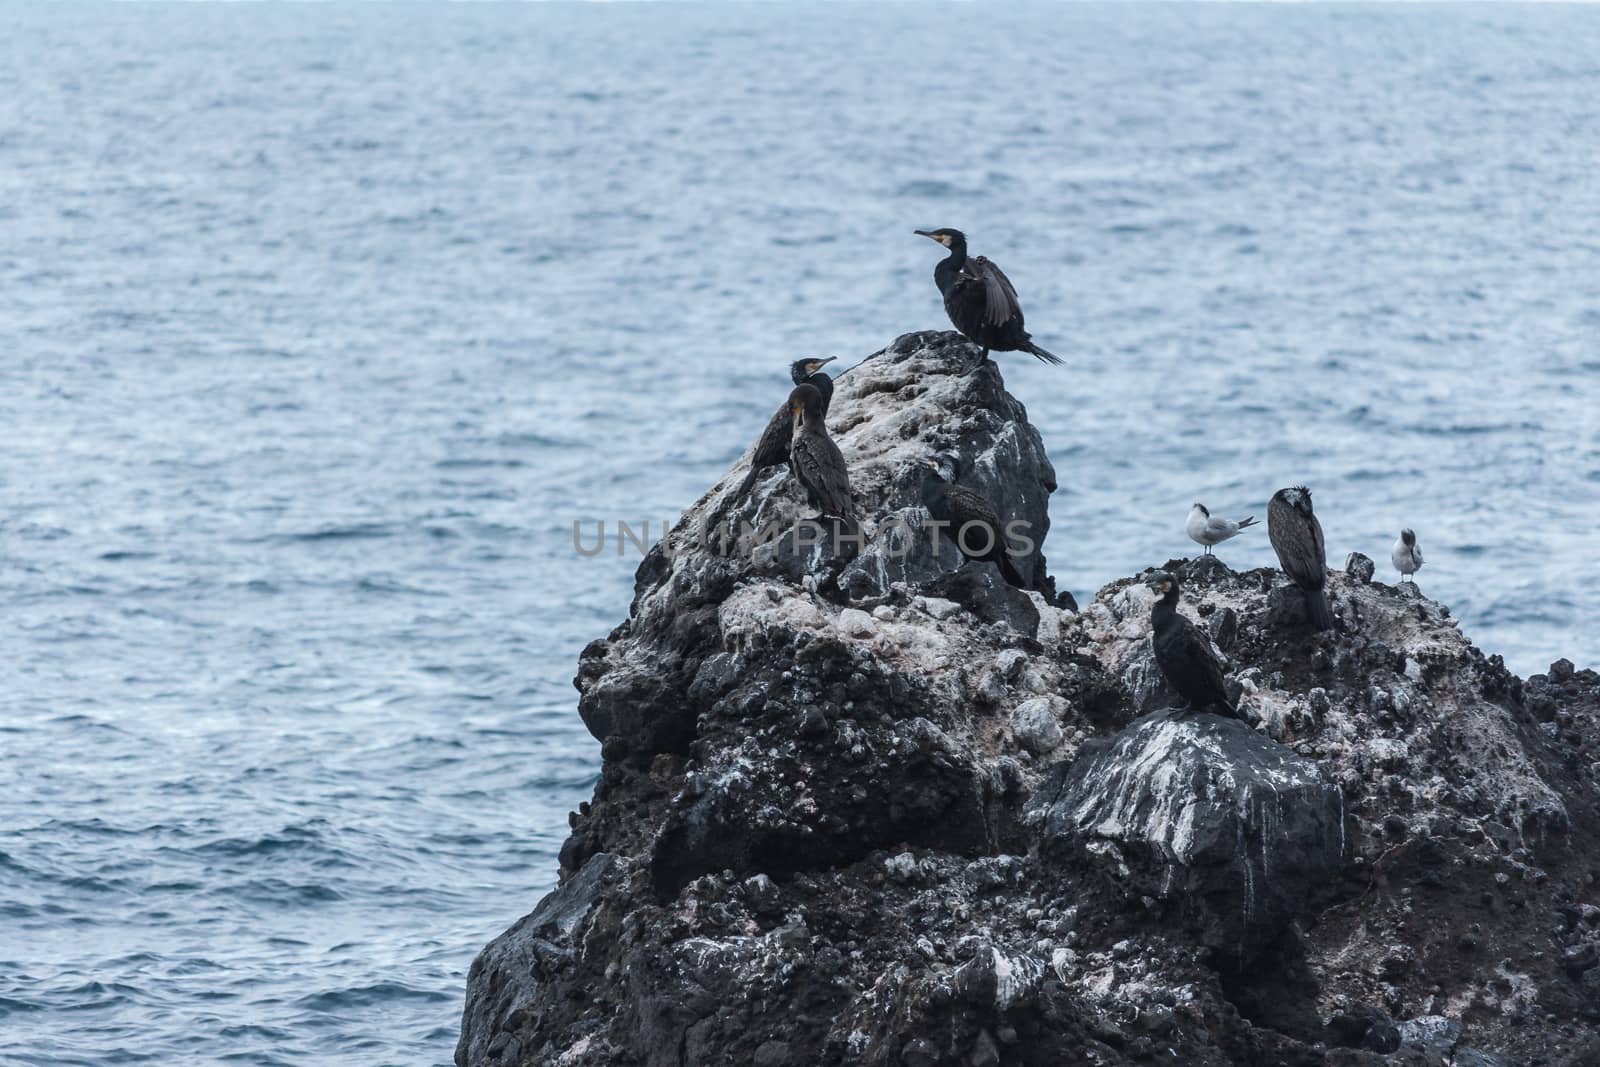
958,506
816,460
1185,655
772,448
980,299
1296,537
1406,555
1208,531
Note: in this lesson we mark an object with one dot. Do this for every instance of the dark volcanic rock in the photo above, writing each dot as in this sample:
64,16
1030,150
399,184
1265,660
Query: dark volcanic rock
1203,812
512,972
810,845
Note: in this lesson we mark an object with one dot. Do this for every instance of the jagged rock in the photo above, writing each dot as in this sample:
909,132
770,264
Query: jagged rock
750,817
1359,567
1433,1035
808,842
1203,812
514,969
1365,1027
979,588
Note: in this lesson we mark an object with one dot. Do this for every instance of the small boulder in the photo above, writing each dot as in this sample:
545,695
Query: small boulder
1035,727
856,623
1359,566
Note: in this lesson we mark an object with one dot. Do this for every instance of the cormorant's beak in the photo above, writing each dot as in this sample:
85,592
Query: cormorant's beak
818,364
930,236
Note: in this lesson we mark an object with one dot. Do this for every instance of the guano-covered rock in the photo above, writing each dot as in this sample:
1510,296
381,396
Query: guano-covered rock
810,843
1202,812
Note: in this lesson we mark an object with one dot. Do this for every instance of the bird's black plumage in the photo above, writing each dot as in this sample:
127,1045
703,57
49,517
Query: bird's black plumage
959,507
772,447
980,299
816,460
1184,654
1296,537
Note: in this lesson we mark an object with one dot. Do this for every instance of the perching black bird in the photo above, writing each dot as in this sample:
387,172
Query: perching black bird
980,300
958,507
1296,537
1185,655
772,448
816,460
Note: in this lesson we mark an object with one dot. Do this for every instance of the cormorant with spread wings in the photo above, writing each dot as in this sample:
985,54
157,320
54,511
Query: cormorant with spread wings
980,299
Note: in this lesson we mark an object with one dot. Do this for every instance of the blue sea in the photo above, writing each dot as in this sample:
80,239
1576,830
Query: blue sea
323,324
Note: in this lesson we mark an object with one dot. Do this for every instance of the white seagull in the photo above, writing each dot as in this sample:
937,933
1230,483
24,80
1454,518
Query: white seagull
1208,531
1406,555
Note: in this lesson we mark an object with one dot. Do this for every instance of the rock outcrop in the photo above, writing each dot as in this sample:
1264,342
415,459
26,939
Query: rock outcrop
1227,825
870,805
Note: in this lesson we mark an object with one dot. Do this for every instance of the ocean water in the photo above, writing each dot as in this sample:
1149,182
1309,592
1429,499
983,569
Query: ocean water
322,325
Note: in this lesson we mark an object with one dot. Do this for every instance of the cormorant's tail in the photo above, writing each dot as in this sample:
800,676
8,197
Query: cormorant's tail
1317,608
1249,520
1009,572
1043,356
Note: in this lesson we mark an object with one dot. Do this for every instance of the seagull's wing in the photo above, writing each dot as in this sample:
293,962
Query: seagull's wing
1221,528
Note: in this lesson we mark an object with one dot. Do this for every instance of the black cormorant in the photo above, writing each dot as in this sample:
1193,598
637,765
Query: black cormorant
1208,529
1185,655
816,460
1296,537
1406,555
772,448
980,299
959,507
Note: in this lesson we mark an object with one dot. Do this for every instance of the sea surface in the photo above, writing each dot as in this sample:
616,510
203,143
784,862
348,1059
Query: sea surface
321,325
